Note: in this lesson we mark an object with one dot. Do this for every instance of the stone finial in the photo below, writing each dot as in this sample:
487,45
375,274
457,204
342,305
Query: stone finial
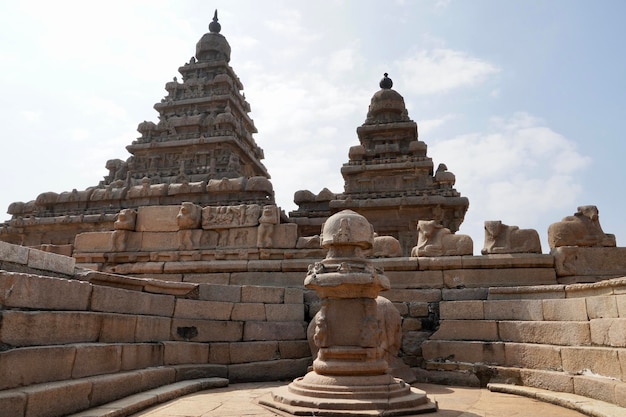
386,82
214,26
347,228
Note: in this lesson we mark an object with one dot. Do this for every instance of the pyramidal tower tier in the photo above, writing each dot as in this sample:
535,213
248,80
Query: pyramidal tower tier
201,150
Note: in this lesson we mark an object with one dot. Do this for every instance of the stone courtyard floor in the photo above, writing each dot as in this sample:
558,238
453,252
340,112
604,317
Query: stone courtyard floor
238,400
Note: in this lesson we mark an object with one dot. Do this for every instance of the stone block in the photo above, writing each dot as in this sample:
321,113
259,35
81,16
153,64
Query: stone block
563,333
157,377
109,388
274,330
285,236
418,309
514,310
589,261
620,394
117,300
602,389
256,294
152,329
117,328
621,305
588,290
157,219
457,351
197,371
410,324
96,359
284,312
159,241
457,294
533,356
198,309
206,330
567,309
467,330
219,278
408,295
219,353
13,253
293,349
509,260
531,292
412,342
473,278
270,279
32,291
43,399
548,380
396,264
93,242
248,312
439,263
256,265
38,328
220,266
597,360
294,296
608,332
224,293
297,265
415,279
462,310
12,403
34,365
282,369
602,307
176,353
254,352
402,308
141,355
48,261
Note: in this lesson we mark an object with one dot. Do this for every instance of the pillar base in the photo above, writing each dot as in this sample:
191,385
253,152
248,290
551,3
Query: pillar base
322,395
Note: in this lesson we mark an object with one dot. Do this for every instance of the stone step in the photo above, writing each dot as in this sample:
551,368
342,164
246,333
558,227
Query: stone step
42,400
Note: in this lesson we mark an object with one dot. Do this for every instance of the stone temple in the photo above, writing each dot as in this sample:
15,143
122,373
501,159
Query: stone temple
178,272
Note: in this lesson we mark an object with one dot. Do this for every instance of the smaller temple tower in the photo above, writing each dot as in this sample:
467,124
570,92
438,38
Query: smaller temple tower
389,178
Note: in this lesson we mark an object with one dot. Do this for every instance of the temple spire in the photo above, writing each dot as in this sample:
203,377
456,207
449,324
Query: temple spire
214,26
386,82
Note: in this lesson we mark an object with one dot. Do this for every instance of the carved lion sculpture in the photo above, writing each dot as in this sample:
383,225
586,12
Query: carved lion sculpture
386,247
189,216
435,240
581,229
269,217
501,238
125,220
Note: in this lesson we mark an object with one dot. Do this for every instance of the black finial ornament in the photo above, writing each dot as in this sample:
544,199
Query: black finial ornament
214,26
386,82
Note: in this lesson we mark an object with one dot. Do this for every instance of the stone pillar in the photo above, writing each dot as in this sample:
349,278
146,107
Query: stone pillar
350,374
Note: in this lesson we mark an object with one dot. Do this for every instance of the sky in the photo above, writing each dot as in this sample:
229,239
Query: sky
522,100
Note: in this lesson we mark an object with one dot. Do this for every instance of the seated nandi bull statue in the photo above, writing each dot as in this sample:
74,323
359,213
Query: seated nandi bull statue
581,229
501,238
385,247
435,240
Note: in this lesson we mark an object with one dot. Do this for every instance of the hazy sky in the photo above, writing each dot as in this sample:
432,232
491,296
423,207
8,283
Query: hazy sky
522,100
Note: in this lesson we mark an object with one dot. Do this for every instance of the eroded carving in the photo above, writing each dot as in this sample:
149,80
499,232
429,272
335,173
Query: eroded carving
386,247
501,238
269,218
581,229
435,240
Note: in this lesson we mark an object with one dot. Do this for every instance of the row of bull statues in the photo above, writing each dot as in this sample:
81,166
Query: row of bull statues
582,229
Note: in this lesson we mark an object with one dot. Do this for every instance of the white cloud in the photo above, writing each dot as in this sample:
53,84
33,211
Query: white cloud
441,70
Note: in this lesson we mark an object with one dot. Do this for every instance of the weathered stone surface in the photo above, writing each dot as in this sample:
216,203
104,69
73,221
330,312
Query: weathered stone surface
12,403
456,294
33,365
219,278
599,361
157,219
109,388
206,330
569,309
541,292
285,279
553,381
141,355
513,310
254,351
601,307
293,296
96,359
268,370
498,277
608,332
116,300
38,328
470,351
509,260
32,291
117,328
564,333
421,295
219,353
415,279
468,310
159,241
284,312
586,261
196,309
621,305
43,400
274,330
13,253
533,356
94,242
175,353
294,349
248,311
467,330
152,328
224,293
602,389
419,309
48,261
157,377
256,294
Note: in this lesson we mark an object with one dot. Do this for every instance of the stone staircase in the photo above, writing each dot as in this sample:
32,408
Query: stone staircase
565,338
